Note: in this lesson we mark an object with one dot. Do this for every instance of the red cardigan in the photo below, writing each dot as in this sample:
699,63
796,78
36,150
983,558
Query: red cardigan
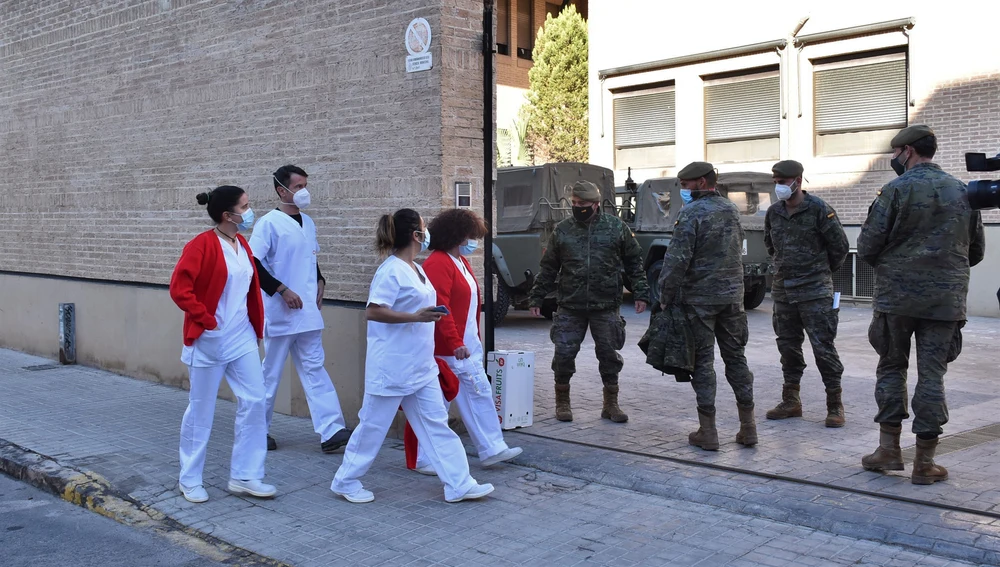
197,283
454,293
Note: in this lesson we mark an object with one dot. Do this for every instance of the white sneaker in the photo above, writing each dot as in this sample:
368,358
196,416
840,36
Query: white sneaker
427,470
505,455
196,494
361,496
474,493
251,487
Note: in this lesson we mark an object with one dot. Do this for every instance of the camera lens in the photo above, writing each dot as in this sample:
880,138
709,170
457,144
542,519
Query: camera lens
984,194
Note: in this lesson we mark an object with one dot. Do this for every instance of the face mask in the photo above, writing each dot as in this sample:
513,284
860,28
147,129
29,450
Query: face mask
783,192
427,240
686,196
246,221
898,165
468,248
301,198
583,214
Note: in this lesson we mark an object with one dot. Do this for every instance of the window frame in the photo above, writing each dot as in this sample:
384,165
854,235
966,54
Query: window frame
637,91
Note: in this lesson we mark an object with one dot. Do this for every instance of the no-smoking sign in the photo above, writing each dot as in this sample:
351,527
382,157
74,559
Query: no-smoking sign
418,44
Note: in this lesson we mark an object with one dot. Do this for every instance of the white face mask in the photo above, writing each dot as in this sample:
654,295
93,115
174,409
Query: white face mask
301,198
784,192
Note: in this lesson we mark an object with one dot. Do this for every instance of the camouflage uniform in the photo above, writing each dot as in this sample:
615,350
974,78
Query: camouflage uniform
588,258
703,271
806,246
921,237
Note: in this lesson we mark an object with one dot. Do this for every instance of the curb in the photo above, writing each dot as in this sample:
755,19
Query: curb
93,492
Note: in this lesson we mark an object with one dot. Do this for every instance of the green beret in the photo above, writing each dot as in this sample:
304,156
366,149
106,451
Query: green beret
586,191
695,169
787,168
910,134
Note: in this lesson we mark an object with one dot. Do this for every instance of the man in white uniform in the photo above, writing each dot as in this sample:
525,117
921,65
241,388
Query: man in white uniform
285,247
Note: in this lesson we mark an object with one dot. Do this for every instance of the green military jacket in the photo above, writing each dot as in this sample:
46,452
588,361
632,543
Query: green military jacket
588,259
921,236
806,247
704,262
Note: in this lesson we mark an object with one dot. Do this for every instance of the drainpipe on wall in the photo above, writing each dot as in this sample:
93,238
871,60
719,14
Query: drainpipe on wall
489,161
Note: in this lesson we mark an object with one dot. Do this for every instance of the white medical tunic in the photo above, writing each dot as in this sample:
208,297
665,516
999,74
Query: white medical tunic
233,335
288,251
400,356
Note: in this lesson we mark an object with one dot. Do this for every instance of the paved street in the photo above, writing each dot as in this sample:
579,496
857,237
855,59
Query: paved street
588,492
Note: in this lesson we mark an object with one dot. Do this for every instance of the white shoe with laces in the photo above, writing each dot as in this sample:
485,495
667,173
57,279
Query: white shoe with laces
251,487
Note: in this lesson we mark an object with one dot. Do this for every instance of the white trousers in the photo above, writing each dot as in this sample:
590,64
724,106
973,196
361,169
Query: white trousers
308,357
428,417
475,405
250,443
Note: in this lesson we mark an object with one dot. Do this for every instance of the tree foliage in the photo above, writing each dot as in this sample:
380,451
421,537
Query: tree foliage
557,124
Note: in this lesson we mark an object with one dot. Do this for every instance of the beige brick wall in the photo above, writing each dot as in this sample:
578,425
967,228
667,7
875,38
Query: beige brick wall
113,115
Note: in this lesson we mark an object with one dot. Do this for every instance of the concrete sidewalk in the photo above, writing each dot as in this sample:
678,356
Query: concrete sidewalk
569,505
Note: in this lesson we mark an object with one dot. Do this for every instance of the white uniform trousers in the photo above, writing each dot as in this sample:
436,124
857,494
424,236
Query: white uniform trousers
475,405
428,417
308,357
250,444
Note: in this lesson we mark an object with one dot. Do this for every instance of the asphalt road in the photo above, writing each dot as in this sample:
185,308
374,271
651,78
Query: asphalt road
38,529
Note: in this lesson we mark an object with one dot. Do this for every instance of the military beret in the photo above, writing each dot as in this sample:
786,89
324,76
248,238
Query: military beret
586,191
787,168
910,134
695,169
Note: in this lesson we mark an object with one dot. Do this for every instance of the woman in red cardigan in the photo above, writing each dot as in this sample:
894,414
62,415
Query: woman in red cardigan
456,335
215,284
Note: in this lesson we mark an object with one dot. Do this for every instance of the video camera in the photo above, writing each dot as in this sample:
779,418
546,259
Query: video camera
983,194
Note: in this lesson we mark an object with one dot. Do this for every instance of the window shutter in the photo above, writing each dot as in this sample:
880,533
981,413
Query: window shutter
862,97
644,120
743,110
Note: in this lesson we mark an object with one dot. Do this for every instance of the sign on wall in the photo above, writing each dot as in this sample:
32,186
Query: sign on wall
418,43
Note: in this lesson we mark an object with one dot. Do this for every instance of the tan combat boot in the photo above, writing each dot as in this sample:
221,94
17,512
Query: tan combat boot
924,469
888,456
563,411
611,410
707,436
748,428
834,409
790,405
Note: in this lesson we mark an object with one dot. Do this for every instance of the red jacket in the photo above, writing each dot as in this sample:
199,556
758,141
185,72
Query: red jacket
454,293
197,283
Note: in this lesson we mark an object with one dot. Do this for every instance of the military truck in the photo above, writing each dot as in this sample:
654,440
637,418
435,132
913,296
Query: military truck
651,209
530,202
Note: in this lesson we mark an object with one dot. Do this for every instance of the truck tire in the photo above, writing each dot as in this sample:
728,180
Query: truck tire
754,296
501,303
653,278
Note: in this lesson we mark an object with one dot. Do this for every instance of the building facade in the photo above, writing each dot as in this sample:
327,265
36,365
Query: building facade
753,83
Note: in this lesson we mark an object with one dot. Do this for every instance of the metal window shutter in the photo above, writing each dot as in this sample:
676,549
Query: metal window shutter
644,120
863,97
743,110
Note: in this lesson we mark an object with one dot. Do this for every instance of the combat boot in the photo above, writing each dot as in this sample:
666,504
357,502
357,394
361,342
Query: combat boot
834,409
790,404
748,428
888,456
707,436
611,410
563,411
924,469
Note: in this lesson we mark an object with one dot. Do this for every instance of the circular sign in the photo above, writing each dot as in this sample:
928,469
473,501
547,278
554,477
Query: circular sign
418,36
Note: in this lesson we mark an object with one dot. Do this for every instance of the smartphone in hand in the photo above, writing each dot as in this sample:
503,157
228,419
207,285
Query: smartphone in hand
440,309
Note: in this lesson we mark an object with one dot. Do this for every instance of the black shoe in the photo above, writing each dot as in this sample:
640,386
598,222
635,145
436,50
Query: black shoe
271,443
338,441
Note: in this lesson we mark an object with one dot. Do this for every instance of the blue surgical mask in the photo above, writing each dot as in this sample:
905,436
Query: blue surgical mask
246,220
686,196
468,248
427,240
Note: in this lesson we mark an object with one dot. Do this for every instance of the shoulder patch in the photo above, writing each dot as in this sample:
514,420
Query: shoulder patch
676,222
831,215
879,192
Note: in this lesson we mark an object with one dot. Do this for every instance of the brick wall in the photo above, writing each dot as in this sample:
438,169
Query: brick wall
114,115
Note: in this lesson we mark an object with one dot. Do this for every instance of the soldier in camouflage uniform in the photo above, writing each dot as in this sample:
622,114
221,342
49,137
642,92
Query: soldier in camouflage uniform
703,271
921,236
807,244
587,254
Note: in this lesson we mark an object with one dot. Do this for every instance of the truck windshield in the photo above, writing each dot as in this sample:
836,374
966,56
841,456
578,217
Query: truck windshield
752,204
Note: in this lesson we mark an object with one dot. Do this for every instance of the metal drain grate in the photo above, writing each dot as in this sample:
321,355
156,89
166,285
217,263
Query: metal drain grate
953,443
41,367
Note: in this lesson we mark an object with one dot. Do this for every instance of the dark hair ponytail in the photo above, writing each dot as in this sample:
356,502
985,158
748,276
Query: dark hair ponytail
220,200
395,231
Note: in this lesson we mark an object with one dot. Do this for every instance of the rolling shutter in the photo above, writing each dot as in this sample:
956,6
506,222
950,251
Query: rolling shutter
743,110
861,97
644,120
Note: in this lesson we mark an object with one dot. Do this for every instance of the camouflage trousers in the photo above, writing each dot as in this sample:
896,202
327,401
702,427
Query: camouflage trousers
938,343
569,327
726,324
818,319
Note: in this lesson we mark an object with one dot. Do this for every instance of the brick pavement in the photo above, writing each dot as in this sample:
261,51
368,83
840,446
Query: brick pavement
126,430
